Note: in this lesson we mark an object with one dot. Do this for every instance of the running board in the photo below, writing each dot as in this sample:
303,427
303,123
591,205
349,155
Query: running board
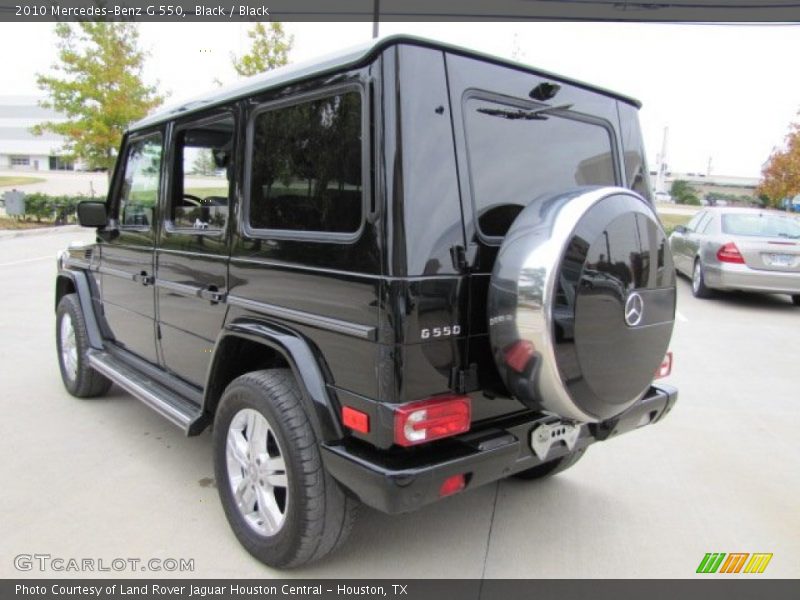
174,407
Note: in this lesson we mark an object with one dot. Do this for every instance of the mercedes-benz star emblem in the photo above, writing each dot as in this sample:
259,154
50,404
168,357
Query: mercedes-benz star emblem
634,309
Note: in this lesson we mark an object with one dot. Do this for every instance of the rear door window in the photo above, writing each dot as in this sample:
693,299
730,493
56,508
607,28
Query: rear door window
516,155
202,176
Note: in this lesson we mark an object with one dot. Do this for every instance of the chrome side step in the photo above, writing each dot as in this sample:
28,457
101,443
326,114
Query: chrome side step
175,408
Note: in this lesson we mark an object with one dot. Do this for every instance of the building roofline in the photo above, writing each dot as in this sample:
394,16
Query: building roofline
347,58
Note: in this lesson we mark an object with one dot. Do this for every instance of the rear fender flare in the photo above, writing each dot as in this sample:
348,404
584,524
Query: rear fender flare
320,405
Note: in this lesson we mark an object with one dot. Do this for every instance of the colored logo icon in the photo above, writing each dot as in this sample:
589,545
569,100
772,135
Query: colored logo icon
735,562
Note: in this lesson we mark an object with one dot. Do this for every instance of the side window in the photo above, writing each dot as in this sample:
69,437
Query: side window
695,221
702,226
139,194
516,154
306,166
200,193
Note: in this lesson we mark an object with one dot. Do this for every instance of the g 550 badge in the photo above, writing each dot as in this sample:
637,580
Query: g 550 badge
440,332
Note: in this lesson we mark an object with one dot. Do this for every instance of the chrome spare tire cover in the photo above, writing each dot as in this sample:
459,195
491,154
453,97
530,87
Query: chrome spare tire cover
581,303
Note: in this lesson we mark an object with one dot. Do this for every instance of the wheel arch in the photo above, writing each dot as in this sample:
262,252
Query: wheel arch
247,345
77,282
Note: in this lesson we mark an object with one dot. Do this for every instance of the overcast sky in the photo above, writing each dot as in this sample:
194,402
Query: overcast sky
726,92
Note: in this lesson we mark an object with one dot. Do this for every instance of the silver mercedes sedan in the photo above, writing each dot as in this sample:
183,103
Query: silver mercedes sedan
745,249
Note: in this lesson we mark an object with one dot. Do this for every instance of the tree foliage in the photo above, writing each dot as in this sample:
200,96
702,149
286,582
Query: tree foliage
269,49
781,173
683,193
97,84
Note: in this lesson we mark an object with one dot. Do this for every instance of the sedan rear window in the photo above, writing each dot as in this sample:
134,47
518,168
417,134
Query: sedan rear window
761,225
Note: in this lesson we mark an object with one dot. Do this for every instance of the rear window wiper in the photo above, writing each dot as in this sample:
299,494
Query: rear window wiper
536,114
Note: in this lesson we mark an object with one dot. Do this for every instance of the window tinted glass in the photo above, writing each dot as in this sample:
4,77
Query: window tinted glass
516,155
306,166
761,225
139,193
202,176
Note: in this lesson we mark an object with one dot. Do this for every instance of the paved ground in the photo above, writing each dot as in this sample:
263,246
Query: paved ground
108,478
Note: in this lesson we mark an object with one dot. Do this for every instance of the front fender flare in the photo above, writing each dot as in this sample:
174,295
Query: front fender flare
80,281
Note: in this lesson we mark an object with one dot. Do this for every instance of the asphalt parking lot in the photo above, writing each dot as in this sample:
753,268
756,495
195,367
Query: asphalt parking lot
108,478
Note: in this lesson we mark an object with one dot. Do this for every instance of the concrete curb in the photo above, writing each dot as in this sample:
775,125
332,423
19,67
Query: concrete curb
7,234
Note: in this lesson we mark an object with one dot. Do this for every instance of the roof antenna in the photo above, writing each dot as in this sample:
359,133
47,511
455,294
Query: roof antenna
376,18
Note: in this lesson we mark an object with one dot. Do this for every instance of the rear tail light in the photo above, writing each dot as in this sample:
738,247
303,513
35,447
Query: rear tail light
729,253
518,355
432,419
666,366
452,485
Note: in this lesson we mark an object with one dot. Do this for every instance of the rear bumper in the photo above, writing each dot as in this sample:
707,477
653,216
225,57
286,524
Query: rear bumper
741,277
400,483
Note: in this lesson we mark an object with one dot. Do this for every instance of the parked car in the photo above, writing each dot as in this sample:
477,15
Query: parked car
431,270
746,249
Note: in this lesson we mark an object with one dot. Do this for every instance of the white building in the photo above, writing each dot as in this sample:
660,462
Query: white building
20,150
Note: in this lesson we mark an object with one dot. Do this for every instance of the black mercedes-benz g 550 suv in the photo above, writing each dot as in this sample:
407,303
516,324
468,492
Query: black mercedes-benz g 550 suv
398,273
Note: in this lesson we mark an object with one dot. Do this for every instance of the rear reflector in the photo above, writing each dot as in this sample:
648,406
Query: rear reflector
355,419
518,355
432,419
666,366
452,485
729,253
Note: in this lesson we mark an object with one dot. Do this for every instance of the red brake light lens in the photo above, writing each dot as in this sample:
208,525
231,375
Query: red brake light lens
355,419
666,366
433,419
729,253
518,355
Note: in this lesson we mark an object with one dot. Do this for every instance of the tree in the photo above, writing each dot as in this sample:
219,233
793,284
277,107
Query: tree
98,87
683,193
270,49
204,164
781,173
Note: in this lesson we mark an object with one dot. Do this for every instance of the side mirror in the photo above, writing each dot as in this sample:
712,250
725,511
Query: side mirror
680,229
92,213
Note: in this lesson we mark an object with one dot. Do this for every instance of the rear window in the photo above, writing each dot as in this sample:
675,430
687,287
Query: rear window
761,225
516,155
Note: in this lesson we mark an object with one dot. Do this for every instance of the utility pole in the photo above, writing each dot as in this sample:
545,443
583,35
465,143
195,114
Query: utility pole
661,164
376,18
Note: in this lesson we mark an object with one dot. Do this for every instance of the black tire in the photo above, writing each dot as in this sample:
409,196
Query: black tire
82,381
551,468
318,515
699,288
796,299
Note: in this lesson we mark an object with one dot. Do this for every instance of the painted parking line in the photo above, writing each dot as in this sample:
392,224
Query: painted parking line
680,317
27,260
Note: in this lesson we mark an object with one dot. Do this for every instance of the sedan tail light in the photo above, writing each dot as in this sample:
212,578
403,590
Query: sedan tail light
729,253
431,419
665,368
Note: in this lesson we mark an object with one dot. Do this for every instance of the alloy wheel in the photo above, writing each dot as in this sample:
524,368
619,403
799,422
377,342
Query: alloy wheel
257,472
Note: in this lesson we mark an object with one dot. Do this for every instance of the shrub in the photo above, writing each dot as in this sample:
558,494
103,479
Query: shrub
60,209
